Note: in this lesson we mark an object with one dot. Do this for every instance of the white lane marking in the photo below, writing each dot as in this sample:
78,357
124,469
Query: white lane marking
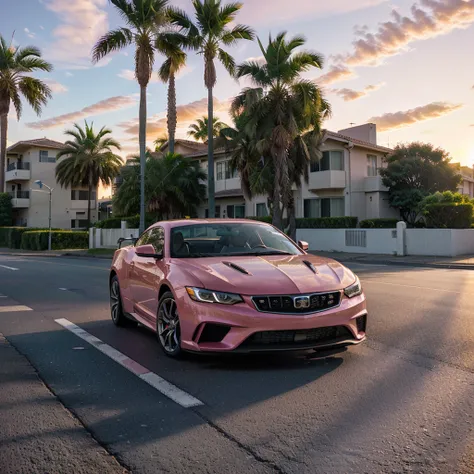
163,386
14,309
410,286
9,268
63,289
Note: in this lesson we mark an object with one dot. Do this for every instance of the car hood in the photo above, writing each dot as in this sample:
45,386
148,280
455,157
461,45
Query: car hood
268,275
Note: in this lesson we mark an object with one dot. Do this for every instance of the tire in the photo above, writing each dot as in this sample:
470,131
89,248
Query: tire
168,328
116,308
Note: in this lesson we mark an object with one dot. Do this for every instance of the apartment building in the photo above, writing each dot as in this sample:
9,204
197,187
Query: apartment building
346,181
32,160
466,186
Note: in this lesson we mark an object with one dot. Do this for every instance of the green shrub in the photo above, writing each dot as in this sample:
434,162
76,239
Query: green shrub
11,236
60,239
449,215
379,223
266,219
5,209
327,223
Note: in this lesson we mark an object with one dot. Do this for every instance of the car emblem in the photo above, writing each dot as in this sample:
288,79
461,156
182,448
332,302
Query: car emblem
301,302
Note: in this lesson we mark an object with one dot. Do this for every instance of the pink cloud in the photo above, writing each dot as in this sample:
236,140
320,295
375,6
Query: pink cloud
349,95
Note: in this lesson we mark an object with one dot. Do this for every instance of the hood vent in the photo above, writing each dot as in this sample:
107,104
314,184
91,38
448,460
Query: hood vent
310,266
236,267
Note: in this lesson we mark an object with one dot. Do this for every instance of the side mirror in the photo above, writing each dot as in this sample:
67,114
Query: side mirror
147,251
120,241
303,245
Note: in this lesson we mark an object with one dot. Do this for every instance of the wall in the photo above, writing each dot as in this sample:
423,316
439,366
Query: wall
377,241
439,242
107,238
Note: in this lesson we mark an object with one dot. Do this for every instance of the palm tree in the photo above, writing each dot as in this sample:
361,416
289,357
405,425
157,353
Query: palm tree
160,141
15,64
173,187
199,130
280,108
88,160
207,36
171,46
145,21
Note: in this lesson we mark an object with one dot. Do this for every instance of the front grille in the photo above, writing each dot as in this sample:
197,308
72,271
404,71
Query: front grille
296,338
361,323
298,304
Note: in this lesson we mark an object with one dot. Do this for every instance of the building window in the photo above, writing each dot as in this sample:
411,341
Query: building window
224,171
44,158
218,213
331,160
236,212
326,207
82,195
220,171
262,210
372,165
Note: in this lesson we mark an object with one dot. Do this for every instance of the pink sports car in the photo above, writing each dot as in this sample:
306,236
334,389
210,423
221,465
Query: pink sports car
234,286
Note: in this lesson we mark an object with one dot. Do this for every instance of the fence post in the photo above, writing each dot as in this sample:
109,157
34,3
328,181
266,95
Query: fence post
91,237
401,238
123,227
98,238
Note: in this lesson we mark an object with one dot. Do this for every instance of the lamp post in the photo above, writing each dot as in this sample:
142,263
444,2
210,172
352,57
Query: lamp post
50,192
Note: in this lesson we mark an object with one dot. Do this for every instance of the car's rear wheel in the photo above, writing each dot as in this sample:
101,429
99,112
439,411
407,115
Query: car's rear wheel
168,326
116,308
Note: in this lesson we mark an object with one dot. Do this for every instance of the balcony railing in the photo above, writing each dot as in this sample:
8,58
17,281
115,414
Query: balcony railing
19,194
18,166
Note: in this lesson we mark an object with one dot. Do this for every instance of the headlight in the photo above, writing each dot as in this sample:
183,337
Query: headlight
354,290
208,296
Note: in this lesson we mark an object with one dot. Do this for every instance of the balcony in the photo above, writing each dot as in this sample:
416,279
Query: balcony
227,185
20,199
18,172
373,184
332,179
79,204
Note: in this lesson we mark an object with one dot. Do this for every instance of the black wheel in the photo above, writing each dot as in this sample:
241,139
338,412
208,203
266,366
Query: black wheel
168,327
116,309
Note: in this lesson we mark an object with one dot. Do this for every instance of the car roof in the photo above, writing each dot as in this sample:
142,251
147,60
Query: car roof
188,222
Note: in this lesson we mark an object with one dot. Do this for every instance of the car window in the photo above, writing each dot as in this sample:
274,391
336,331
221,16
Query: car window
143,239
157,239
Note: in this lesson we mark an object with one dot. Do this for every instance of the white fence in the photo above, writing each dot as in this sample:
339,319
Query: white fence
108,238
400,241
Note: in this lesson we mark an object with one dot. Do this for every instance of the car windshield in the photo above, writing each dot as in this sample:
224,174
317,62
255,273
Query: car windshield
228,239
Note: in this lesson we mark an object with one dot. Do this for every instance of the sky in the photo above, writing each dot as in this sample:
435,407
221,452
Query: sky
404,65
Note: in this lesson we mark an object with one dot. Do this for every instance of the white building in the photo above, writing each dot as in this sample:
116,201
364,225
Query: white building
345,182
31,160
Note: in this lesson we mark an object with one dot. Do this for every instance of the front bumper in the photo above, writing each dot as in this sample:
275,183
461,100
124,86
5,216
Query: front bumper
241,328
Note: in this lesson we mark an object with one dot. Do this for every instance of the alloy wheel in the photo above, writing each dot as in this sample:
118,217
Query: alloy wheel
115,301
168,326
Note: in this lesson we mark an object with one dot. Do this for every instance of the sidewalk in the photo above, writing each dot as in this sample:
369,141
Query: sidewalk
465,263
37,433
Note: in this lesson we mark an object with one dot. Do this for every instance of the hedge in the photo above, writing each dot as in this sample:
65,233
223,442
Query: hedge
5,209
382,223
60,239
266,219
449,215
11,236
133,222
327,223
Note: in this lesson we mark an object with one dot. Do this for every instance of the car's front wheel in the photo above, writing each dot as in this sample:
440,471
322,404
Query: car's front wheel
116,309
168,326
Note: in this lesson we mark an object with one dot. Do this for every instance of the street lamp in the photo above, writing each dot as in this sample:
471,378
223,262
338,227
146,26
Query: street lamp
50,192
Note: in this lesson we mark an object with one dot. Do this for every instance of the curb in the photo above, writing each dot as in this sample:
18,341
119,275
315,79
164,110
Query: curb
446,266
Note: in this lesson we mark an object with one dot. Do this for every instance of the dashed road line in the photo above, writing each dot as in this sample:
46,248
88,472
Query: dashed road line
10,268
14,308
163,386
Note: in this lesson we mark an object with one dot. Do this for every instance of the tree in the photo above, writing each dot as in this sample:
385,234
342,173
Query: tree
88,160
199,130
159,142
172,47
207,36
5,210
281,109
173,187
414,171
145,21
15,65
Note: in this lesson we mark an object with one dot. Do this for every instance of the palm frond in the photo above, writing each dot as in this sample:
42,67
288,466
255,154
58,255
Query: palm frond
114,40
227,61
35,92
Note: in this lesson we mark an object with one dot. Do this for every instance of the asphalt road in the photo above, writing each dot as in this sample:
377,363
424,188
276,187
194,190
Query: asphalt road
402,402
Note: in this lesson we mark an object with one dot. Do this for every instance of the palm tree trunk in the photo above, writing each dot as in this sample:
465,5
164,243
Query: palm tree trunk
210,154
172,114
3,149
142,141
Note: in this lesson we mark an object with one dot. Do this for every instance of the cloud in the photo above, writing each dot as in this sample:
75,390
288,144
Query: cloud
41,27
82,22
29,33
108,105
187,114
55,86
433,18
336,73
350,94
69,74
401,119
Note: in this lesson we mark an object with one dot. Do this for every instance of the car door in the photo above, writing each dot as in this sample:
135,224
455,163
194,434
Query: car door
146,274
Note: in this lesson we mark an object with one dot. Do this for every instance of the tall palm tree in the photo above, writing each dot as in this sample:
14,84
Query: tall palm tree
171,46
199,130
207,36
281,107
160,141
89,159
145,21
173,187
15,64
